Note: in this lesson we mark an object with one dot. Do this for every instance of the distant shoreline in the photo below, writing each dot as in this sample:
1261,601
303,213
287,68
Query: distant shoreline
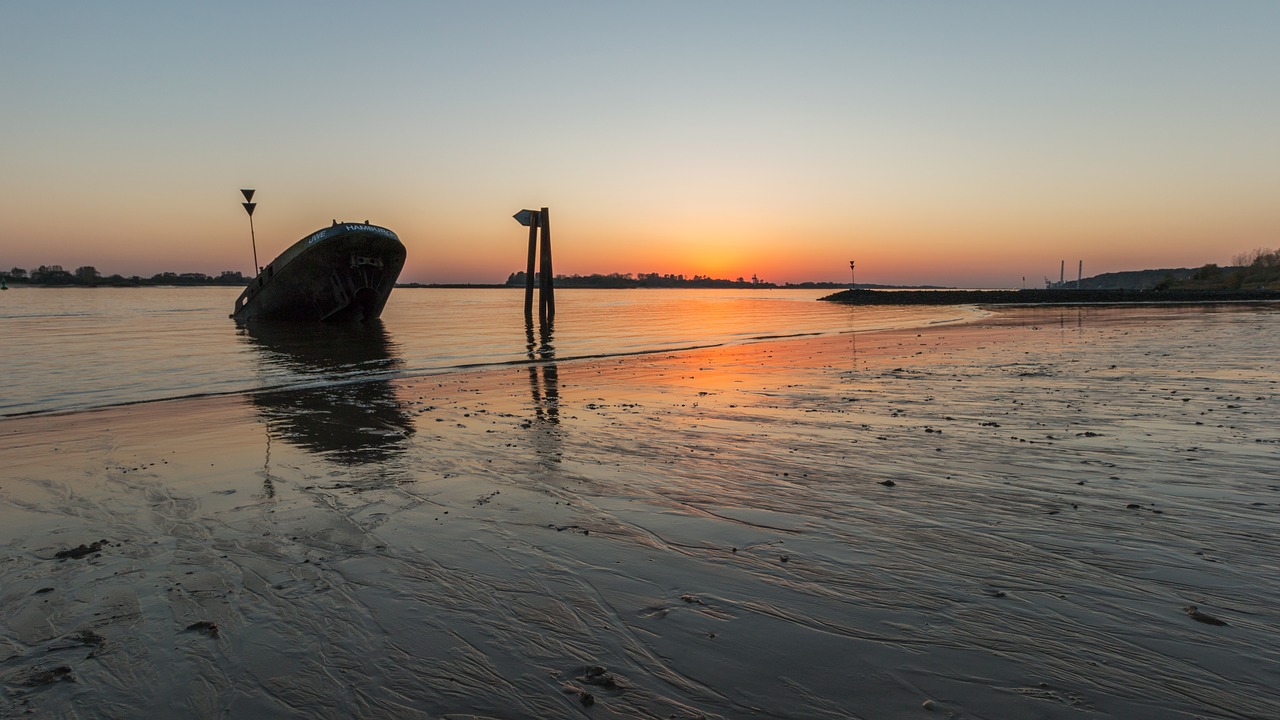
571,283
1046,297
561,283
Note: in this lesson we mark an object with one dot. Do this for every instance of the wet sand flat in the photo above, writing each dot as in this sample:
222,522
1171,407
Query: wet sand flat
1050,513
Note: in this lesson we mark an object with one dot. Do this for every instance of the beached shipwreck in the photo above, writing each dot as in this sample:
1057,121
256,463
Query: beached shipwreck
342,273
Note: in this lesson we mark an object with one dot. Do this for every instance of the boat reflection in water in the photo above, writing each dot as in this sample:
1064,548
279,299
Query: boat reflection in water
351,414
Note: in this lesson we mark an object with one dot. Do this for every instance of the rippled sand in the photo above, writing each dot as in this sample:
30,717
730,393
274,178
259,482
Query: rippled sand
1007,519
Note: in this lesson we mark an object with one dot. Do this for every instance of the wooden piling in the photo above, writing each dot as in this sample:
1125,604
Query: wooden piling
528,273
547,291
535,219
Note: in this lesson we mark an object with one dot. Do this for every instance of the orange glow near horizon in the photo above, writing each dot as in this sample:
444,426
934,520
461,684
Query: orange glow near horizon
856,131
954,249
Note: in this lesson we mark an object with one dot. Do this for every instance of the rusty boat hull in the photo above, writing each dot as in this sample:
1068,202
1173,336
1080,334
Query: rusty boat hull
342,273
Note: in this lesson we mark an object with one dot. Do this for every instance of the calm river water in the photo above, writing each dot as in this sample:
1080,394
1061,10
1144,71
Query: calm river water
81,348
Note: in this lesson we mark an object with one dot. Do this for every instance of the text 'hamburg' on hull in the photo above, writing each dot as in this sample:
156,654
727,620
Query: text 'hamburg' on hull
342,273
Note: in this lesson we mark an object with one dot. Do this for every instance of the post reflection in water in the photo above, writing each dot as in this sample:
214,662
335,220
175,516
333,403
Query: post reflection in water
544,386
852,332
543,380
352,416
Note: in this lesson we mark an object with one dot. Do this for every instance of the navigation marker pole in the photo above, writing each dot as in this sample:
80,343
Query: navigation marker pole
248,207
853,277
537,220
529,218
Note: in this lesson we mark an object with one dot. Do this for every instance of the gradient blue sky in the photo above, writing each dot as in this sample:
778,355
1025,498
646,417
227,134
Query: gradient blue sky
949,143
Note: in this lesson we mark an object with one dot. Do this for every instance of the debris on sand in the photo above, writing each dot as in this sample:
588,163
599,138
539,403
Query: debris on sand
48,677
601,677
83,638
76,553
1194,613
584,697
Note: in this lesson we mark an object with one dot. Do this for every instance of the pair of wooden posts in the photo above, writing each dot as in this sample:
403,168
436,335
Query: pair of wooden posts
535,219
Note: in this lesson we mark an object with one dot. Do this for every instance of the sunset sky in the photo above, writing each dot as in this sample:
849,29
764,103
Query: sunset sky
955,143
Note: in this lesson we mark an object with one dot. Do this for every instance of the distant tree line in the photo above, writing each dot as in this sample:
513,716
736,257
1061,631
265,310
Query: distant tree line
1255,270
668,280
88,276
643,280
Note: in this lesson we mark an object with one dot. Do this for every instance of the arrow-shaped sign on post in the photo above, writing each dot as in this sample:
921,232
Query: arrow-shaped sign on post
529,219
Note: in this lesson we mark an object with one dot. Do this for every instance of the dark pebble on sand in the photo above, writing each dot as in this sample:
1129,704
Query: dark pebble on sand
204,628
